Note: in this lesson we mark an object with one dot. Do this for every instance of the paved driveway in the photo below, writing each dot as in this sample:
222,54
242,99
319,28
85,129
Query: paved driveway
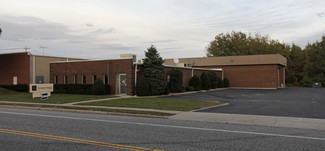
293,102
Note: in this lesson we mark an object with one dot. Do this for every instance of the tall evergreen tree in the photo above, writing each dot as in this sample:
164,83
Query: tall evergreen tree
154,71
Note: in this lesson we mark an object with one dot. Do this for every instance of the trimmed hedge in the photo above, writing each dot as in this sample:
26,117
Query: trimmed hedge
18,88
79,89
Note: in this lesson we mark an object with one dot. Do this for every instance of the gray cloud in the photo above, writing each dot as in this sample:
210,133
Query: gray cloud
161,41
104,31
24,28
90,25
321,14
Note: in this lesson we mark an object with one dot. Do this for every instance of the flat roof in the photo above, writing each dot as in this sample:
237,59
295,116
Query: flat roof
232,60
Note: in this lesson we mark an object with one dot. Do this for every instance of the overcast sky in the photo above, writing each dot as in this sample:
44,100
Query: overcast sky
104,29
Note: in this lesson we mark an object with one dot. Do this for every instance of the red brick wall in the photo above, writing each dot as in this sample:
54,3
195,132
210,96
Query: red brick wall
253,76
187,73
99,68
14,65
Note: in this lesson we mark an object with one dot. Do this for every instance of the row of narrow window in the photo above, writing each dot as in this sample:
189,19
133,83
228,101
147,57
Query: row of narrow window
83,79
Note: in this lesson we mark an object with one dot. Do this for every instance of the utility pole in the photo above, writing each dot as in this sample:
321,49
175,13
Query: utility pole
43,48
26,49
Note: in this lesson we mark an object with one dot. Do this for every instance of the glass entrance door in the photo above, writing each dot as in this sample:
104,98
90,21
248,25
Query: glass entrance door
122,83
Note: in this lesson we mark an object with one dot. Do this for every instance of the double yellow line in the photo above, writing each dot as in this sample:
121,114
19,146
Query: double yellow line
75,140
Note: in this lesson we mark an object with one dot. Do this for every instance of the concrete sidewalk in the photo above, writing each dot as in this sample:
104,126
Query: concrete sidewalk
272,121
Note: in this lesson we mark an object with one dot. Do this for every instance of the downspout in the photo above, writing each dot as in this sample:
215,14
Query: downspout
135,74
192,71
284,77
34,72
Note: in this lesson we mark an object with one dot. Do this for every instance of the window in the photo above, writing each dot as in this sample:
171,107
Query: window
94,78
168,78
75,79
56,79
83,79
105,79
39,79
15,80
65,79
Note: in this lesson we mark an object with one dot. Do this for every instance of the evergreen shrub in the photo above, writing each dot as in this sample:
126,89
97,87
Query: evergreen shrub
205,81
196,83
175,84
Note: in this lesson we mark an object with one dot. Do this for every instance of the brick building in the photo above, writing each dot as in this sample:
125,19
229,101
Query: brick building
251,71
254,71
25,68
120,74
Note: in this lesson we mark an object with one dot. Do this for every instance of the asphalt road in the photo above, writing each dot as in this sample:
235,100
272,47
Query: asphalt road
36,130
291,102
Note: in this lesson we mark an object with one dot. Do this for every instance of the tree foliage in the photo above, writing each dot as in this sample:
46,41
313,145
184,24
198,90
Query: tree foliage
176,80
303,66
142,87
314,68
154,71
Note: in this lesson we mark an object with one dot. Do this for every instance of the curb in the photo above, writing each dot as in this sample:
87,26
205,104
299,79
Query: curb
220,105
84,111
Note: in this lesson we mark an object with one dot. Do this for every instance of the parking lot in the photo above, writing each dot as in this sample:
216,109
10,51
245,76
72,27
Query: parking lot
292,102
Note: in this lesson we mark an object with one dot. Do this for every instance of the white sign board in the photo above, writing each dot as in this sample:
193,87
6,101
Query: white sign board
39,89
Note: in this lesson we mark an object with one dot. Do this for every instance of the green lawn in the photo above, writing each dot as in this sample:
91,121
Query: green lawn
55,98
93,109
155,103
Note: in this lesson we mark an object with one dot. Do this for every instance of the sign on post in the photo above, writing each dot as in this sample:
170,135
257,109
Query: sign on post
44,96
39,89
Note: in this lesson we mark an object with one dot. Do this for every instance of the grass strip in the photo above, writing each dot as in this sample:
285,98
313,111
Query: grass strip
93,109
54,99
155,103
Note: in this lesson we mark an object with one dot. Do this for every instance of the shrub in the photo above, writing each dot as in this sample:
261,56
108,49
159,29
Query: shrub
225,82
142,87
220,83
196,83
306,82
176,80
98,88
205,81
18,88
190,88
213,79
76,88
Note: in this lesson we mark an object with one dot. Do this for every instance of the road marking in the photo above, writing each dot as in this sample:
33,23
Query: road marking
168,126
103,144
